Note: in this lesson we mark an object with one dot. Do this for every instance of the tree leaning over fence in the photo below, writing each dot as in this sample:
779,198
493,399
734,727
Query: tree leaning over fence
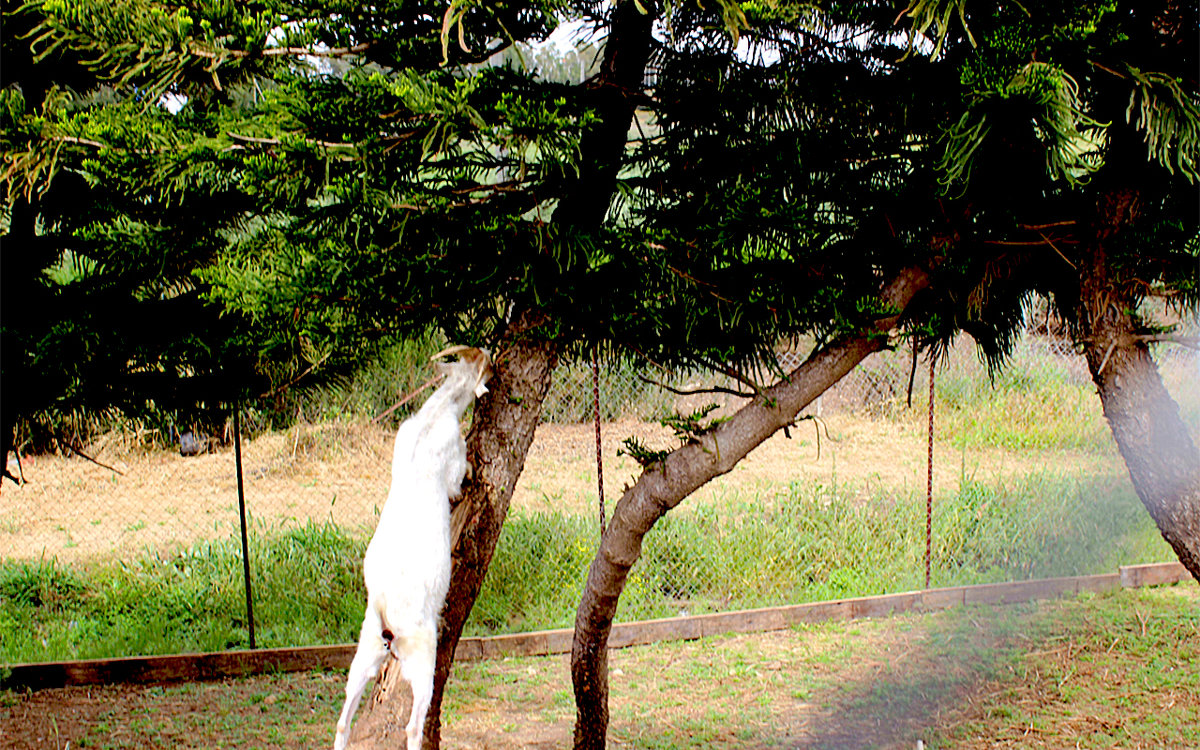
1096,113
1017,159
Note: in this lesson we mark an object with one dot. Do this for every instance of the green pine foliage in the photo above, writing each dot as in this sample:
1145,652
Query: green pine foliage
284,189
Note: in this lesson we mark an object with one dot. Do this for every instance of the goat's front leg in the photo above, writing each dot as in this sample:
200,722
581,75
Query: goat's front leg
370,655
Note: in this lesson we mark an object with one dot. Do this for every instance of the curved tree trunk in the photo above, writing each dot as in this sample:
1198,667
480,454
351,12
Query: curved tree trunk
1161,457
665,484
501,432
1162,460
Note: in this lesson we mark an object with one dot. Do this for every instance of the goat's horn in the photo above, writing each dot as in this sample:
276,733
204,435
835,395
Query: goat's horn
456,349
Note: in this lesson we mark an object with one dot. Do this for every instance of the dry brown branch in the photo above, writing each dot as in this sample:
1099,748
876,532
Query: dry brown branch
1050,225
74,449
280,52
1030,243
697,391
407,398
276,141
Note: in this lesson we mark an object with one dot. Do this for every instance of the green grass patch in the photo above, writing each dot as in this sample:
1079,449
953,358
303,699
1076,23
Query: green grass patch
812,543
1037,401
1066,417
819,543
1114,670
307,585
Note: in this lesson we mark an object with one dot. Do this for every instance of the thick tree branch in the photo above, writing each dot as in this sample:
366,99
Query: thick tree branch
665,484
614,92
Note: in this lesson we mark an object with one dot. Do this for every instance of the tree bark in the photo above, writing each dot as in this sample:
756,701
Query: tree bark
1162,459
501,433
613,95
665,484
505,420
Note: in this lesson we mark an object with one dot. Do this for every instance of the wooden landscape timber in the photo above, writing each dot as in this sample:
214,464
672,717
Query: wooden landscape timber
221,664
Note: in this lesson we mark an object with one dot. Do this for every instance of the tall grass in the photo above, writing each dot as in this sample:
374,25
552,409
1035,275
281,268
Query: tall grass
1038,401
1067,417
820,543
307,585
1042,401
814,543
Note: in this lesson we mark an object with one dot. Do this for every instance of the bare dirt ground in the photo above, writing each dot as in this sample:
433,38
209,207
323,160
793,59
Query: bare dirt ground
1111,671
73,509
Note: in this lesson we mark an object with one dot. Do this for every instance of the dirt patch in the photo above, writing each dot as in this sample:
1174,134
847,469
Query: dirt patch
286,711
1106,671
863,455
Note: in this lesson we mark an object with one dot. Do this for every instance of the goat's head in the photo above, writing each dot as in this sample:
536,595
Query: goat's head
473,366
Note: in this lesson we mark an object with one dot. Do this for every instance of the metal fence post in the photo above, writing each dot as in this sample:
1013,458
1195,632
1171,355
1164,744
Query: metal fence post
929,475
237,453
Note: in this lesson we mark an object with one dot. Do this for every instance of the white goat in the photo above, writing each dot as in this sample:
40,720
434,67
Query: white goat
407,565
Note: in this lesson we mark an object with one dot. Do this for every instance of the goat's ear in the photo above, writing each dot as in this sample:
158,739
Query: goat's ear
456,349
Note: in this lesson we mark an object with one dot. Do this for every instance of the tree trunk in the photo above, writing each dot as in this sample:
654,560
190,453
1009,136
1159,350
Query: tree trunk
1162,459
664,485
501,432
612,96
18,279
505,420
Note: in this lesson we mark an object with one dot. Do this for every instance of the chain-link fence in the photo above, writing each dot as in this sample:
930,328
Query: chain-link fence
1027,483
881,382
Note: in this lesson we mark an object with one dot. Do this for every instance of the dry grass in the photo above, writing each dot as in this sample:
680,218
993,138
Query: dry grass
73,509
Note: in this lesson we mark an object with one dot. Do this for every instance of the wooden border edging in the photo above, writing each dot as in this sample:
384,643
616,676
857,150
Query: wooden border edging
220,664
205,666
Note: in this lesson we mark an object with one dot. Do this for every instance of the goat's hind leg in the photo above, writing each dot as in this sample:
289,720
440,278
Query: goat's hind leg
371,653
418,662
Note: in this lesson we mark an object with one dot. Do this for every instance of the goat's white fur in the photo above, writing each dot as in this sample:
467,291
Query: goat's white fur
407,564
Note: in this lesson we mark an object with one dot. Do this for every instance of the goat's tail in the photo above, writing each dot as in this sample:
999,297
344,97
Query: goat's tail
413,642
379,604
404,636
